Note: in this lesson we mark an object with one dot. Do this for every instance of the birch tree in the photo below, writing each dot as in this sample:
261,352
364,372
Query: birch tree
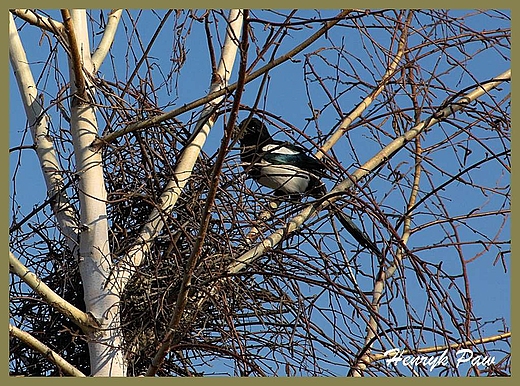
151,253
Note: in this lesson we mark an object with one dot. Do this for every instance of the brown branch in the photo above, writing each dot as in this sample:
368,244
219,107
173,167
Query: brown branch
75,56
201,101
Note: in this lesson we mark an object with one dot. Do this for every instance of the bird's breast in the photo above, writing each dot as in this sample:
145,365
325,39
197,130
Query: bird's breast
286,178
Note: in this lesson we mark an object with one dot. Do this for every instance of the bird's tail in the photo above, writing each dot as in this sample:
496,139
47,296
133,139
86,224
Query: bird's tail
360,236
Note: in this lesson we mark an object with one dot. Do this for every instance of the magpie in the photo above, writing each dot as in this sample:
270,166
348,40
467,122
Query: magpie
289,170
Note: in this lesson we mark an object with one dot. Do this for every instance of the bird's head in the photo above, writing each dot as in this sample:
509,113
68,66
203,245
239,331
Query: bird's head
254,133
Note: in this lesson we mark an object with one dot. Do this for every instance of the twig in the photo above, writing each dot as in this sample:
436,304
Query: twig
392,69
46,351
201,101
80,318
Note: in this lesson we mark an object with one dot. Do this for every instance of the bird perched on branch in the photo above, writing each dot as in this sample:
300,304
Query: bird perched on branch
290,171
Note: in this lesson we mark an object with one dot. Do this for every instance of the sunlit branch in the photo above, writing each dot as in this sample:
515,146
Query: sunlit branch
379,159
77,64
392,69
80,318
108,38
43,22
454,346
39,124
45,350
215,94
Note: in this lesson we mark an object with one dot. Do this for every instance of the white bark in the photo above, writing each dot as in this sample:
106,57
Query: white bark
45,23
39,125
108,38
106,354
48,295
45,350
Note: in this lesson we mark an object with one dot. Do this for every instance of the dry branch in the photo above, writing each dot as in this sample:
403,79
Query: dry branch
83,320
46,351
379,159
219,93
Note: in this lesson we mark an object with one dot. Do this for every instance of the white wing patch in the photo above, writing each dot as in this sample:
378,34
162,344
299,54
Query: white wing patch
279,149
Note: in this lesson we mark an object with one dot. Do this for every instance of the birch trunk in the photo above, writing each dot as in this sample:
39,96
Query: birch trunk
105,344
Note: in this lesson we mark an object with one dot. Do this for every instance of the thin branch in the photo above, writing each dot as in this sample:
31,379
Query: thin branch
379,159
215,94
379,284
45,23
428,350
75,56
45,350
80,318
108,38
392,69
144,56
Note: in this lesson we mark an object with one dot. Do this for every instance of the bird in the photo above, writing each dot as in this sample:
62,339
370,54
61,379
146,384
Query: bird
288,170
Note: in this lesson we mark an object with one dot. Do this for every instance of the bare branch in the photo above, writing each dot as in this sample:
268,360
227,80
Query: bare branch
108,38
220,80
79,317
392,69
379,159
427,350
218,93
42,22
46,351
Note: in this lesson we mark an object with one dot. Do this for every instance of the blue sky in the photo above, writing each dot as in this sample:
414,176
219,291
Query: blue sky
288,97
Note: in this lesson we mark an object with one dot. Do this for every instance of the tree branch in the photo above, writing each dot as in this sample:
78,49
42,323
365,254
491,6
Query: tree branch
45,23
187,160
39,124
428,350
392,69
182,298
45,350
108,38
80,318
75,56
379,159
215,94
